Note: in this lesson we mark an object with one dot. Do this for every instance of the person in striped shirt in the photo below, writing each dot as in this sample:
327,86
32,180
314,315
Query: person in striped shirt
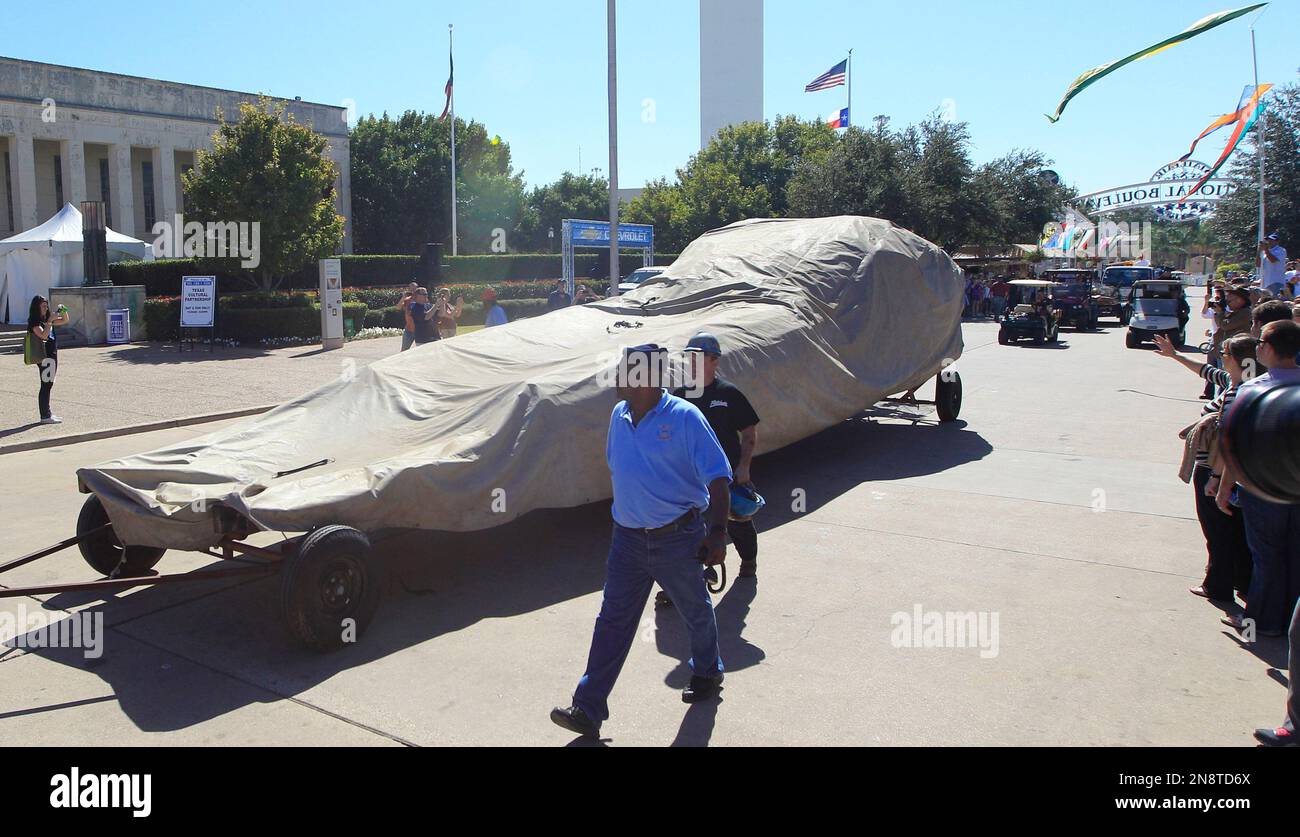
1272,529
1229,564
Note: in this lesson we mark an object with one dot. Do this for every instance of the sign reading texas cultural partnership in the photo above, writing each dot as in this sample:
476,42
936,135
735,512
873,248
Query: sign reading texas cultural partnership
198,301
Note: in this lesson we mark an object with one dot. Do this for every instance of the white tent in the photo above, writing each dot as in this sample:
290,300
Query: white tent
49,256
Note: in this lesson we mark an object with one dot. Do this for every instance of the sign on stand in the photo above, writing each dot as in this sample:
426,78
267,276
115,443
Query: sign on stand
331,304
198,308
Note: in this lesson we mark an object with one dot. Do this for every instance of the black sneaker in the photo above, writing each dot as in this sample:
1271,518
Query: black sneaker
576,721
662,600
748,569
701,689
1281,737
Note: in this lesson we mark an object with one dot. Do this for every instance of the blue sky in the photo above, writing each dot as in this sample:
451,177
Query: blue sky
534,72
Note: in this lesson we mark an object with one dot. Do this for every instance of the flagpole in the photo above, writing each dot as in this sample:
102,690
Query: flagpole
850,120
1260,146
451,47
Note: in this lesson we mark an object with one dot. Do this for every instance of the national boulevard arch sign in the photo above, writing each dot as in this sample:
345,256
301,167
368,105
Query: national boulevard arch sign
1163,191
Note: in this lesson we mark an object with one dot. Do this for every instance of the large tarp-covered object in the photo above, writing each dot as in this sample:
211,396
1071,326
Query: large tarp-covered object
820,319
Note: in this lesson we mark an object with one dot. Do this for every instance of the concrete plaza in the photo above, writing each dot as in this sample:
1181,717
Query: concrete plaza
1054,507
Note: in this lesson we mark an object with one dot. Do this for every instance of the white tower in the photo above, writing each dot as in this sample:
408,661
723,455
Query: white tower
731,64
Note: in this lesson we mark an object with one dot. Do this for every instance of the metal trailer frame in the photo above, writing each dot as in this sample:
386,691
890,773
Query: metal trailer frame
330,587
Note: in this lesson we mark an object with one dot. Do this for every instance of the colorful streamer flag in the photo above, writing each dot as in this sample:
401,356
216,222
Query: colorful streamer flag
1247,116
1097,73
1249,95
838,119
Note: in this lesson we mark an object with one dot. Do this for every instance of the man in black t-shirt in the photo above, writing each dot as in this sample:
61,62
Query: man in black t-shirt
422,313
735,424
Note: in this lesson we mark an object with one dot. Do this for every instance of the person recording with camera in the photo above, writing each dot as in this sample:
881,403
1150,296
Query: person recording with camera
41,350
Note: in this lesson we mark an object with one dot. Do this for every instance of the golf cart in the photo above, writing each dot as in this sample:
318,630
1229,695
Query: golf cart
1034,317
1157,308
1118,282
1075,298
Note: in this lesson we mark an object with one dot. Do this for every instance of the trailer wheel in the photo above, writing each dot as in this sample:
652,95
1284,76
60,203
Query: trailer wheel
330,588
104,552
947,396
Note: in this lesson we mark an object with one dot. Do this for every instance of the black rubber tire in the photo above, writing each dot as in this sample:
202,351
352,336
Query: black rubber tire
1003,339
1132,341
104,552
329,579
948,396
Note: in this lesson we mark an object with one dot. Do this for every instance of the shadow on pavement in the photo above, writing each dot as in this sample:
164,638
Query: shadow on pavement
163,354
441,583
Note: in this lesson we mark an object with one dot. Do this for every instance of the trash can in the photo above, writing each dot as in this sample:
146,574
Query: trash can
119,326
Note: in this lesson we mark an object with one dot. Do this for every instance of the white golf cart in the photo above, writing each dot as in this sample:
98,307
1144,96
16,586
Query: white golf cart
1159,307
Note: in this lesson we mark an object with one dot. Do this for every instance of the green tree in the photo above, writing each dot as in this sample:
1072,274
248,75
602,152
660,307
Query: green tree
922,178
743,173
1014,197
584,196
1236,219
401,185
268,169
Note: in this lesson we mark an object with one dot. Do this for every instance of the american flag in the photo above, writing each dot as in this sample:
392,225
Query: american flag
834,77
450,83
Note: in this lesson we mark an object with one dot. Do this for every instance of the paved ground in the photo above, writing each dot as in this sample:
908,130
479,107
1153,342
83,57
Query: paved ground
114,386
1055,508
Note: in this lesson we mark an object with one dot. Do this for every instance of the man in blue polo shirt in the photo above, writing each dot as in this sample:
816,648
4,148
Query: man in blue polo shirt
671,501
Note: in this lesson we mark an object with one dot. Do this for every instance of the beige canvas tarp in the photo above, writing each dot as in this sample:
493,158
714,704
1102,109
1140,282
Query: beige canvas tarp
820,319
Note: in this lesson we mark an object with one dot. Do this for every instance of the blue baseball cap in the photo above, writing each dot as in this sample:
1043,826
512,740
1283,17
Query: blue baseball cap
649,350
705,343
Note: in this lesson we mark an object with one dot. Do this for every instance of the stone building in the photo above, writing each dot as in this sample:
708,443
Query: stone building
68,135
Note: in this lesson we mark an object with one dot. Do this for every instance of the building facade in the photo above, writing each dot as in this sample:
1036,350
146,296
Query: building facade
68,135
731,64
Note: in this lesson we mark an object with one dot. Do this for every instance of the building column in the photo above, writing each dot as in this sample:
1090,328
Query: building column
73,155
121,186
340,154
23,155
164,169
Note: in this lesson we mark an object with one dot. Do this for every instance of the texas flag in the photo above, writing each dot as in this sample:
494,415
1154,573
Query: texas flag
839,119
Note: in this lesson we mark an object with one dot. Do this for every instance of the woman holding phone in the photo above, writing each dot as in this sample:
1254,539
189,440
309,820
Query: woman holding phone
448,314
40,328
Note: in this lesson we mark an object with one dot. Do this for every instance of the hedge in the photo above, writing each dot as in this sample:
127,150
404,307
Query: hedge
386,297
248,325
163,277
474,314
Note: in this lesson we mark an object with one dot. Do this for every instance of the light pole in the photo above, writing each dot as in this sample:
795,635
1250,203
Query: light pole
613,143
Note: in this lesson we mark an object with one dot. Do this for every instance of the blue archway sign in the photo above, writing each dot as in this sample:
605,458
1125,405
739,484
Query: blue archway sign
595,235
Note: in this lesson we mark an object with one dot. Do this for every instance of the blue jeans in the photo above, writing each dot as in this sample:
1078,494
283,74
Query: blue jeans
1273,533
636,562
